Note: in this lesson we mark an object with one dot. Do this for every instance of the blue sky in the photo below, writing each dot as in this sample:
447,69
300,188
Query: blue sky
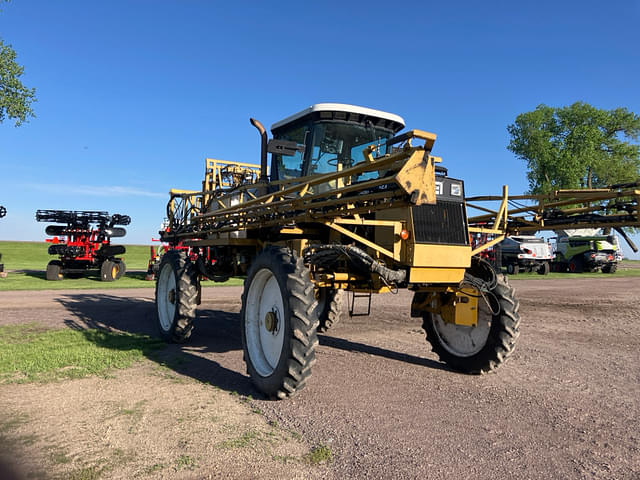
132,96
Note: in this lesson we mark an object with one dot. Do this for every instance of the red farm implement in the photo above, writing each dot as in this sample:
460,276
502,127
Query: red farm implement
82,241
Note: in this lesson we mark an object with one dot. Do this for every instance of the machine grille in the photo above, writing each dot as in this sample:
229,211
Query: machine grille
443,223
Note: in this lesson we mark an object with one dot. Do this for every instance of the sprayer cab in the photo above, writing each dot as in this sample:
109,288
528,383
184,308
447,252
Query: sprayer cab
328,137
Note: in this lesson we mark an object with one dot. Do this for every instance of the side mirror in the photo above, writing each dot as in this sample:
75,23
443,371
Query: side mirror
284,147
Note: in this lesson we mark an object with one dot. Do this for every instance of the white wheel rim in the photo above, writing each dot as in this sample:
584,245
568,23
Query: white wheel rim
462,340
167,296
264,340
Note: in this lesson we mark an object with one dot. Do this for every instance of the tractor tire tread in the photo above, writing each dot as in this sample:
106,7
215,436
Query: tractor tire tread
303,341
333,311
187,292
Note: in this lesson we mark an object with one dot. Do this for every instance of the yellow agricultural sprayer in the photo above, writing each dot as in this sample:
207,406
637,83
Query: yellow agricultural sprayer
349,204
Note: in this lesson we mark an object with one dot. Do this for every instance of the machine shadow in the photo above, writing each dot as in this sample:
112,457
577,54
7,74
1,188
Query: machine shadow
350,346
215,331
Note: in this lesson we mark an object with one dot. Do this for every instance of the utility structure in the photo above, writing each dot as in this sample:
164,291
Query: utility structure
3,213
83,241
348,204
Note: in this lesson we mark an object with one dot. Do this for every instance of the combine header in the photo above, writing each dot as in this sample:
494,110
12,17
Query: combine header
83,241
348,204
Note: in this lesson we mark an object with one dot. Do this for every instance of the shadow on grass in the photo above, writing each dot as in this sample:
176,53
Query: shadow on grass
215,331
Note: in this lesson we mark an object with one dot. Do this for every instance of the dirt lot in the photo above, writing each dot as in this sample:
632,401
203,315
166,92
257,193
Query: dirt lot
565,406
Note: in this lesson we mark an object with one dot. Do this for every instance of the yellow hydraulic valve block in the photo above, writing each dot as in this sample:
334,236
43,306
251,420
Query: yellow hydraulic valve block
462,308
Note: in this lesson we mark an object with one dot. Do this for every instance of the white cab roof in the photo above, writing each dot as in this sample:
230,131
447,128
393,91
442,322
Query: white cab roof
339,107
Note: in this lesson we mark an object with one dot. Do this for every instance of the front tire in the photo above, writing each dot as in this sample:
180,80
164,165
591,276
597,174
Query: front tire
278,323
479,349
513,269
176,296
330,308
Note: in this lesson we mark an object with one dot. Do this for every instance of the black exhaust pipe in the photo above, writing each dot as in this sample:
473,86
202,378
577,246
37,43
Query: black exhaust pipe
263,148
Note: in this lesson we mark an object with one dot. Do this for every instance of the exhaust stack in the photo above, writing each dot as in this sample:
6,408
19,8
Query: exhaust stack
263,148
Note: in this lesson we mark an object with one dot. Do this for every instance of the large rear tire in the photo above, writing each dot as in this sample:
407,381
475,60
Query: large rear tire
54,270
483,348
176,296
278,323
330,308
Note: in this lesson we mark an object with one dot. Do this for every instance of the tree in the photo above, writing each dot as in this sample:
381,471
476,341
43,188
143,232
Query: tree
576,146
15,98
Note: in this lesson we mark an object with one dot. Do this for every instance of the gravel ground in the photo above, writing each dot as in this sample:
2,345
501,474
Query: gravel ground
565,405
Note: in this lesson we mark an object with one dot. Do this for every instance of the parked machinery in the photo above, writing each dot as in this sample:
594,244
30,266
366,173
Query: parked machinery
525,253
348,204
578,216
586,250
83,241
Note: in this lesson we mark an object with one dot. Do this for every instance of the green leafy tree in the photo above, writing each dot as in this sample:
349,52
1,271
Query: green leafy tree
15,98
576,146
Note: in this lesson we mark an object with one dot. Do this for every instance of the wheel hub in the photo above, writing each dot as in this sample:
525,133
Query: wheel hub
271,322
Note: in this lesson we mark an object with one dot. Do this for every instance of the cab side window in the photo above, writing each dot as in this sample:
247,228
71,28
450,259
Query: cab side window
290,166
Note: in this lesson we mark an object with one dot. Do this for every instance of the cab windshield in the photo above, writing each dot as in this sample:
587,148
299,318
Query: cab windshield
337,146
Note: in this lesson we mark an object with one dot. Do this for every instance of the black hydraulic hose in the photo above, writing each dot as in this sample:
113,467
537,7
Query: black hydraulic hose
327,255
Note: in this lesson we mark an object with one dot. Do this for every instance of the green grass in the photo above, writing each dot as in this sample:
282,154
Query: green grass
34,256
31,259
28,353
37,281
246,439
319,454
633,270
185,462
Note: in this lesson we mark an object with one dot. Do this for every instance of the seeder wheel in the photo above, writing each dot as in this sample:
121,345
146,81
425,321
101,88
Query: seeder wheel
108,271
54,270
122,267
